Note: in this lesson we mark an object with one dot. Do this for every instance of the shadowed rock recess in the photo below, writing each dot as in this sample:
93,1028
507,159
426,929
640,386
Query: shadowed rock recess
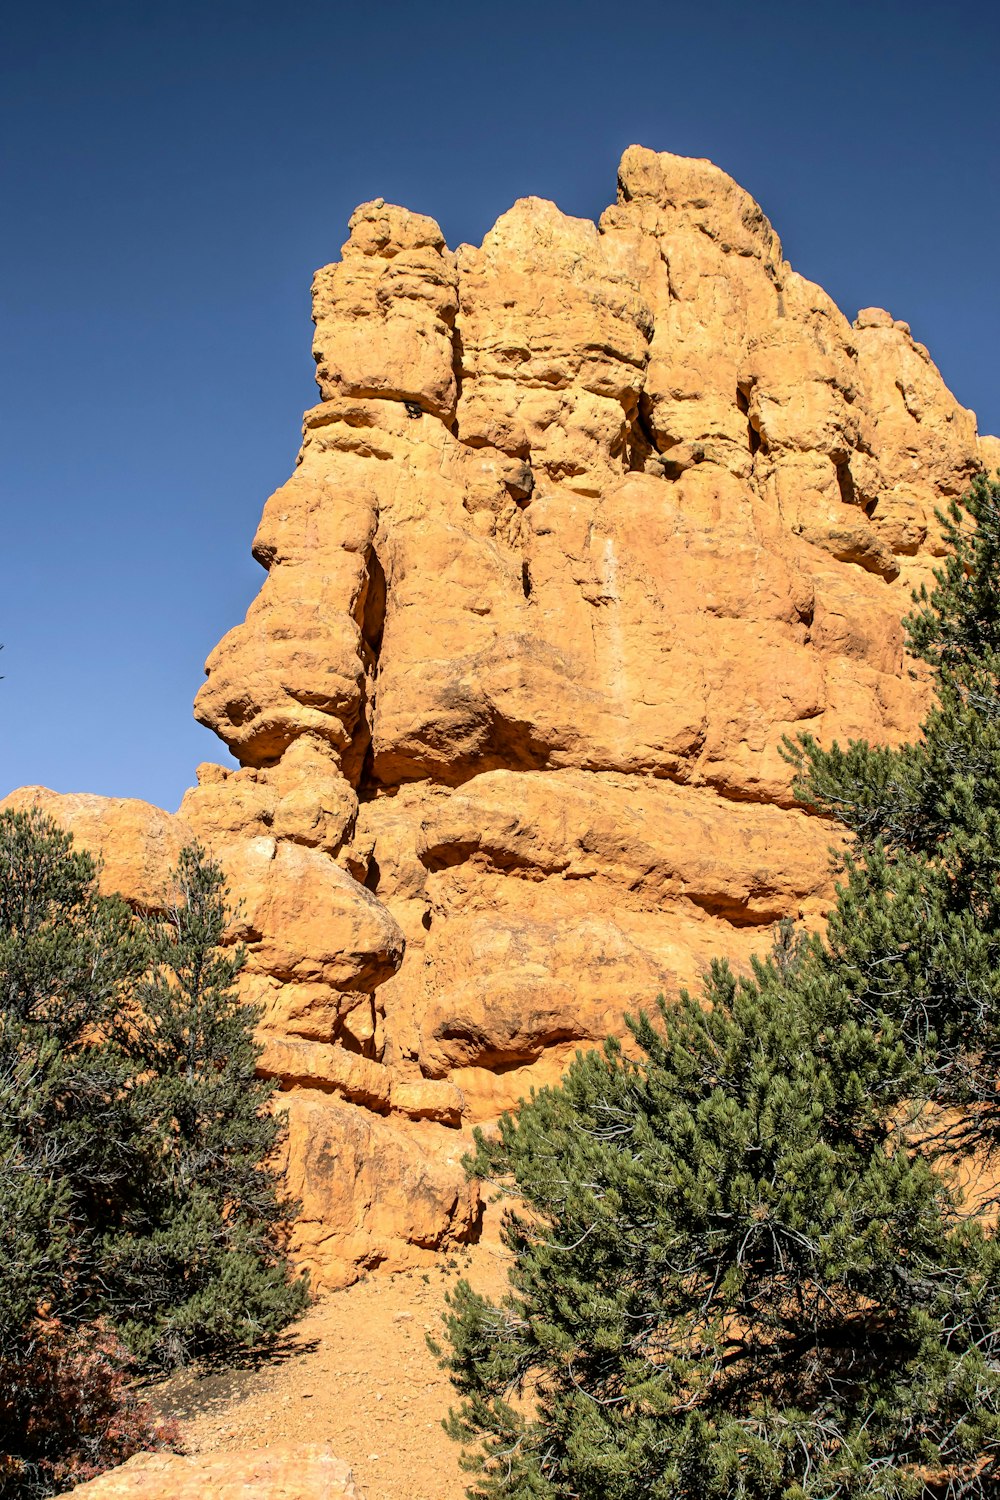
586,520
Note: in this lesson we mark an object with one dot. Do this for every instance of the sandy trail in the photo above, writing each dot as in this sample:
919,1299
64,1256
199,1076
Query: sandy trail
356,1373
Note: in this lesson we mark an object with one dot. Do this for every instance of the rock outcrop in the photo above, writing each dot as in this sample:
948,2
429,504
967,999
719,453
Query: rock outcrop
587,520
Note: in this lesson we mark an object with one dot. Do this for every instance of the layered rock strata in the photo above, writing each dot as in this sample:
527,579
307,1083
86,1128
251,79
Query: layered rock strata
586,521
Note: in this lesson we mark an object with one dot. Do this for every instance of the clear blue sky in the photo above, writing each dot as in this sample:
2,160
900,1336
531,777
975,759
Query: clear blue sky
172,173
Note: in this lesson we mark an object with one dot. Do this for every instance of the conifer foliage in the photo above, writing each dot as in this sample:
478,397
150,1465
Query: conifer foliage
197,1267
138,1203
68,959
916,932
739,1269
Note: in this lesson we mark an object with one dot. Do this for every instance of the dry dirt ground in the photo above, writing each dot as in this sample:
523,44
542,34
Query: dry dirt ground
354,1372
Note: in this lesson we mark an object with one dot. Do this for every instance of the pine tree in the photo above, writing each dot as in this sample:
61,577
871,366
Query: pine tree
135,1182
916,932
69,958
197,1266
739,1268
730,1277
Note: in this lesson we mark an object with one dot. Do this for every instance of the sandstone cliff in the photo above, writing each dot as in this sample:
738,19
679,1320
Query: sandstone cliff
586,520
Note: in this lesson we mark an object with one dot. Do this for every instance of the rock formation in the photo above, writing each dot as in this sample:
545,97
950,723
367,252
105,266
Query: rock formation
586,520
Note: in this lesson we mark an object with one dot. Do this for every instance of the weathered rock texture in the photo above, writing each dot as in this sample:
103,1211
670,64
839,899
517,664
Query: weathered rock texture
282,1472
587,520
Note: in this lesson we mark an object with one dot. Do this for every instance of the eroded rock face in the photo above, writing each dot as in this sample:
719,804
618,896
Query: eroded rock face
134,843
373,1194
588,518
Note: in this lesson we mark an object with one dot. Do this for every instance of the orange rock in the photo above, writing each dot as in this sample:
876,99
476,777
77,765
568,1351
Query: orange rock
426,1099
305,797
306,921
312,1065
137,844
280,1472
373,1193
667,517
587,520
384,315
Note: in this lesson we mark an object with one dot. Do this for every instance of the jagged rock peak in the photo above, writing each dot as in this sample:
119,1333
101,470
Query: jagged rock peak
586,520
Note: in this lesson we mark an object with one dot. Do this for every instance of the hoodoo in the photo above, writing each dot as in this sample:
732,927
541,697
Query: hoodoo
586,520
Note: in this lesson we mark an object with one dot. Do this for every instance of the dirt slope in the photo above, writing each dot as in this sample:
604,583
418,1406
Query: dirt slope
356,1373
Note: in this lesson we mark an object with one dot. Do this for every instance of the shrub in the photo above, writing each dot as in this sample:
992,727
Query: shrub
68,1410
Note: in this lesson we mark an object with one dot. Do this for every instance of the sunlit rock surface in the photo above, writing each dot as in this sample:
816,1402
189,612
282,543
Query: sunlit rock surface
587,520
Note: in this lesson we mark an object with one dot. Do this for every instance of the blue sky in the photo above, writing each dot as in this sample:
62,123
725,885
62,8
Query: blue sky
171,175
